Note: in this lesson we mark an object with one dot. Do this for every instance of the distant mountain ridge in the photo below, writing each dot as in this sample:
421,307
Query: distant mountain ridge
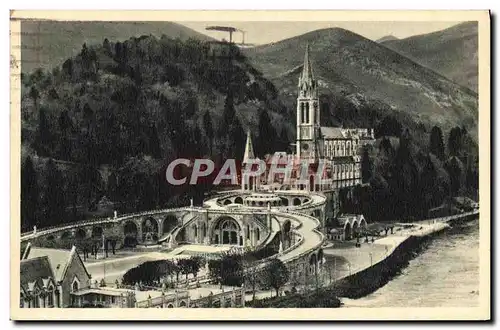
451,52
47,43
387,38
370,78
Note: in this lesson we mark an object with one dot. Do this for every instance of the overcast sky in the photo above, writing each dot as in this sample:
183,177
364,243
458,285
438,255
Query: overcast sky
266,32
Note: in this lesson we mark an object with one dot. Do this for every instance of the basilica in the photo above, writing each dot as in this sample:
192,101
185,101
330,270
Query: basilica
337,147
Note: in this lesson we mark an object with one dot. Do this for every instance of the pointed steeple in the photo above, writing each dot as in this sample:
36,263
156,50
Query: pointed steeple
248,149
307,73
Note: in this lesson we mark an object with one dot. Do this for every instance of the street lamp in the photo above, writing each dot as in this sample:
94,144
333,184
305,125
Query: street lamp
371,259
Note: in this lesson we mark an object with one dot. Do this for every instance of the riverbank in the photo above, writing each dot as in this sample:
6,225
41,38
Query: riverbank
354,272
444,273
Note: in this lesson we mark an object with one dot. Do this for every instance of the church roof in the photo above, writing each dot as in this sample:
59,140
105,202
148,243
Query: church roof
332,133
343,160
59,259
35,271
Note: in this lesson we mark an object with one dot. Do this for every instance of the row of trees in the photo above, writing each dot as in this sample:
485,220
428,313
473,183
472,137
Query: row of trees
240,269
229,270
163,272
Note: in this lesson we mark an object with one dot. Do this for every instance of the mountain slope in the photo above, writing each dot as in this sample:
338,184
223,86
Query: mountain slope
387,38
48,43
369,78
451,52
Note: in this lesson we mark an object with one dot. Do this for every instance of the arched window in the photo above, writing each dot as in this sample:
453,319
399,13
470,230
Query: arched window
75,286
170,306
228,230
302,113
257,233
36,299
195,231
50,296
204,226
182,304
307,113
248,232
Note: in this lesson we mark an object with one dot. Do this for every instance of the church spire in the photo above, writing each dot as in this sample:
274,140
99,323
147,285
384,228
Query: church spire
248,149
307,73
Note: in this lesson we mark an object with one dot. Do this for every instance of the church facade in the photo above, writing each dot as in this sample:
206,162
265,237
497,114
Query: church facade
338,148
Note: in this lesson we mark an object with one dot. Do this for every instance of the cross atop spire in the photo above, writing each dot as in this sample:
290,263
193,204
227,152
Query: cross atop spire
249,154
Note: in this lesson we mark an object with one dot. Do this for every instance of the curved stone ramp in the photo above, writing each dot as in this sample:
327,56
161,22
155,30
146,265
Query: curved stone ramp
173,233
312,238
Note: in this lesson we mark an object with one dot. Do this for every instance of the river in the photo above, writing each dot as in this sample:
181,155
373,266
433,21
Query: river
444,274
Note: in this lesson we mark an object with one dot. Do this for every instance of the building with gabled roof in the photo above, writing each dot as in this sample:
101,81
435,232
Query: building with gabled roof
38,286
67,271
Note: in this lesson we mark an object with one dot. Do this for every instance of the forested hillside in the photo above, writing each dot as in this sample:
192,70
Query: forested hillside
134,106
107,121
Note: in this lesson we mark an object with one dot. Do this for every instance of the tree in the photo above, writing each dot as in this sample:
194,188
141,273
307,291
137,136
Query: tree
177,270
68,68
184,266
154,142
455,169
236,140
276,274
227,270
251,276
428,179
455,140
197,142
209,129
436,145
266,140
366,166
107,47
283,142
54,196
404,178
43,139
35,95
72,193
389,126
29,194
228,115
195,265
65,137
472,178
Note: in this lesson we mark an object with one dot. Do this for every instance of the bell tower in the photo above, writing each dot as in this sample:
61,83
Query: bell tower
308,119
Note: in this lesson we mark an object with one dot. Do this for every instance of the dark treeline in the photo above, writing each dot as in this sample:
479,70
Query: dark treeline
132,107
405,182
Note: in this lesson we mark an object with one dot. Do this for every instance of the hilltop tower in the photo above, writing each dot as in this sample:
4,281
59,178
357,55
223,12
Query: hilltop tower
309,144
